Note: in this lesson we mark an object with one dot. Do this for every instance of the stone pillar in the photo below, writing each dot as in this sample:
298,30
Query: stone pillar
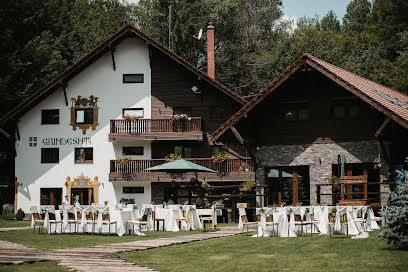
260,191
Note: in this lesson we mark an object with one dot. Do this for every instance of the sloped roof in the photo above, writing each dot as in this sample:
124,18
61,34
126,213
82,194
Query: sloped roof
392,103
78,66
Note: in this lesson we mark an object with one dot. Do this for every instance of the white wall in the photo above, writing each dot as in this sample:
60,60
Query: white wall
98,79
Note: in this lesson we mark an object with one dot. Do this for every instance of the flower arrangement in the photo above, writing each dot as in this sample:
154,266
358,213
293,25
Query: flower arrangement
106,202
173,157
333,180
205,184
220,158
247,186
181,116
130,118
124,161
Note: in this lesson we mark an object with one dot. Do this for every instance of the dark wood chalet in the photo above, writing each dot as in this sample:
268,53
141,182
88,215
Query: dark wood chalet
298,127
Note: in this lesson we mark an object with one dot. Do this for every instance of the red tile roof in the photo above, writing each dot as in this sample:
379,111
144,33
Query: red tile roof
392,103
39,95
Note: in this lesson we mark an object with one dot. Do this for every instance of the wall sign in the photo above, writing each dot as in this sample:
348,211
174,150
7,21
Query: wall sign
66,141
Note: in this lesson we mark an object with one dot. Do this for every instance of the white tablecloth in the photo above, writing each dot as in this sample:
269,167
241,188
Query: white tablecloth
169,217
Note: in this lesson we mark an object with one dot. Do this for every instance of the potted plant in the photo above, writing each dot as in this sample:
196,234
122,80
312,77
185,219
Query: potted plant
106,203
122,162
218,162
244,167
130,118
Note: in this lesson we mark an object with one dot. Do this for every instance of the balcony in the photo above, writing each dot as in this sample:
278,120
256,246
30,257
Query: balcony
229,170
155,129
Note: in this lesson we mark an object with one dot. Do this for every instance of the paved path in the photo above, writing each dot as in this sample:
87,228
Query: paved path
100,258
14,228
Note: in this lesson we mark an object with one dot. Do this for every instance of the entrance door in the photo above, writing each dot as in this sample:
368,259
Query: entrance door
83,195
288,184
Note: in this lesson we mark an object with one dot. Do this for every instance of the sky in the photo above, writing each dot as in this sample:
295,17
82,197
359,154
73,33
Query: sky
299,8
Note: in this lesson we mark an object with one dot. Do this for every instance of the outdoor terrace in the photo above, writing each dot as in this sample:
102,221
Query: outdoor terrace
155,129
229,170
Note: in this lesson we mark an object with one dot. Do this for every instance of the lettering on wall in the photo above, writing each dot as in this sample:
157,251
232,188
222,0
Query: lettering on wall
66,141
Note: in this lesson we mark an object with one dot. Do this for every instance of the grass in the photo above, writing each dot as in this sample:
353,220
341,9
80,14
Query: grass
244,253
34,267
13,223
58,241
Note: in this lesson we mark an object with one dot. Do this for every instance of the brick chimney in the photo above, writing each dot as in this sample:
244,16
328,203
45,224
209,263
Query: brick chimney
210,51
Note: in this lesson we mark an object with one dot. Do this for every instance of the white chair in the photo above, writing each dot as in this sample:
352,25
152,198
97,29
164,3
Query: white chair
37,219
106,220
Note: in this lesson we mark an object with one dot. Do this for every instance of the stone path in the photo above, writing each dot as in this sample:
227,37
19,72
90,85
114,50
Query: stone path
100,258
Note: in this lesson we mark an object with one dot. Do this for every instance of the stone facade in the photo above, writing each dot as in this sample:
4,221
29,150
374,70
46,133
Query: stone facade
319,158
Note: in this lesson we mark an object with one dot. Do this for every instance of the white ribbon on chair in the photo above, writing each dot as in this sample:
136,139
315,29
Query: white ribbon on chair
241,213
47,209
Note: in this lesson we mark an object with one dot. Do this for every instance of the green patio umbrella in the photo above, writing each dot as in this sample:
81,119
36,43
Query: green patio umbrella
180,166
342,165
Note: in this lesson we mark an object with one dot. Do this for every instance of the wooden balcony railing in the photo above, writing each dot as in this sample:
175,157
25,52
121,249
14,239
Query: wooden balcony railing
139,166
192,124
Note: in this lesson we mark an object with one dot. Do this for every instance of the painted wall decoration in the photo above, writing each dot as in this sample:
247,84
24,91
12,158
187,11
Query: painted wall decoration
84,113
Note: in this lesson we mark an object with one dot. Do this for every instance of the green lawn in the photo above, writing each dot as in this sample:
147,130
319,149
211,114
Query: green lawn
13,223
57,241
35,267
243,253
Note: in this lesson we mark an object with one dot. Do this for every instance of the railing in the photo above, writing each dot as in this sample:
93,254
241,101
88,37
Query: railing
227,166
141,126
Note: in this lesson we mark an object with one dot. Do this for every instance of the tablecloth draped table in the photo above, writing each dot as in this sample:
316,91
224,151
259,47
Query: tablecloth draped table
288,228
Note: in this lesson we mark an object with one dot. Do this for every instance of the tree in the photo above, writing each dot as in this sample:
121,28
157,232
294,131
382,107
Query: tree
396,218
330,22
356,16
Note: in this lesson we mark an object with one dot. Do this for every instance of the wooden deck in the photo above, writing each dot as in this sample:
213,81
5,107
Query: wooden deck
100,258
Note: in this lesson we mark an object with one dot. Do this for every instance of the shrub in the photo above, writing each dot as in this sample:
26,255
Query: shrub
396,218
20,215
7,213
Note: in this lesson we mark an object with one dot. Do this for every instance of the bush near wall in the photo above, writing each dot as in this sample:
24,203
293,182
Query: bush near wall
396,218
7,212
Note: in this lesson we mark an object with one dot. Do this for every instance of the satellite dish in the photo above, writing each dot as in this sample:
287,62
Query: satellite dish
200,34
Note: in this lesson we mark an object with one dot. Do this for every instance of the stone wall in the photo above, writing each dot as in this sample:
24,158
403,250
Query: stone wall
319,158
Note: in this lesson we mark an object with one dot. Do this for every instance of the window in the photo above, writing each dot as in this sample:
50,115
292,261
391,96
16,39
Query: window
301,114
132,150
185,110
84,154
217,113
49,117
344,109
49,155
84,116
184,151
84,113
32,141
133,190
133,78
136,112
51,196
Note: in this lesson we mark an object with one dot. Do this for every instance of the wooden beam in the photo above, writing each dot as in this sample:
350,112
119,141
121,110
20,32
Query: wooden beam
150,55
382,126
237,135
64,85
112,50
18,133
2,131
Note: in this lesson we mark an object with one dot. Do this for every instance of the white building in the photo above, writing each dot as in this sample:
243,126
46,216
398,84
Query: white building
66,142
